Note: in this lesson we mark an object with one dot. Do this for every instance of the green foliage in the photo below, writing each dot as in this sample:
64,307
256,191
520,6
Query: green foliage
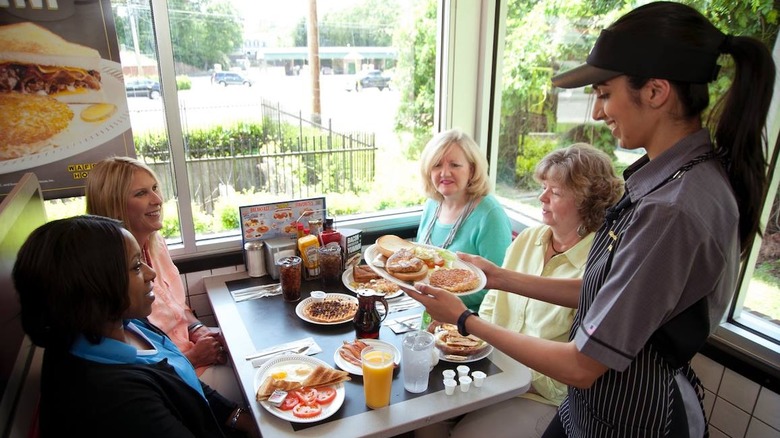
534,149
204,32
415,75
183,82
597,135
368,23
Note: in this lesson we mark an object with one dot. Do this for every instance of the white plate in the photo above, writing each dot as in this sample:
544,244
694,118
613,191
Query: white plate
347,279
465,359
81,136
354,369
293,359
371,253
303,303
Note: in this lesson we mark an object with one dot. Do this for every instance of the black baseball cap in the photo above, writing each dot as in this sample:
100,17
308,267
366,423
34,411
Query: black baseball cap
641,55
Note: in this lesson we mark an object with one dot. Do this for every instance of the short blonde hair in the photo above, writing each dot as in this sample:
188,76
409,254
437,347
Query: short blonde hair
108,186
479,185
588,173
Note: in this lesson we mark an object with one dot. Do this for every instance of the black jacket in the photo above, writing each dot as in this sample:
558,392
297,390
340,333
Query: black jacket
89,399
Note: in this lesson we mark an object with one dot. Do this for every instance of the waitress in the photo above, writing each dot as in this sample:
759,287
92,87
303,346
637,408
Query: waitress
665,263
461,214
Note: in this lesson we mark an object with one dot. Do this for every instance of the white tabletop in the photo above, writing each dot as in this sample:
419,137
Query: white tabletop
513,380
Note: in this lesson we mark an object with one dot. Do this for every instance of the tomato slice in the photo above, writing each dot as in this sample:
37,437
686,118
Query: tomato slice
290,402
307,411
306,395
325,395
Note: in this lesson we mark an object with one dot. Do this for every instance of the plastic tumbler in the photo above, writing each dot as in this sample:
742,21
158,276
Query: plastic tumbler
416,360
377,375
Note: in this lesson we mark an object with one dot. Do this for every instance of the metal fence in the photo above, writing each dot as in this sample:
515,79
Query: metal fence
298,159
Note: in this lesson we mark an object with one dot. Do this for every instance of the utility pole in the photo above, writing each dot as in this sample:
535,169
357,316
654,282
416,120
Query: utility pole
314,62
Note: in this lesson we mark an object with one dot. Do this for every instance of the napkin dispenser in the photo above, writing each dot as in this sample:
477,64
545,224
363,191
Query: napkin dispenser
274,250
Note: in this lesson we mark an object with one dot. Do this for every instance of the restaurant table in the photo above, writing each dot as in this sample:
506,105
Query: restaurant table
252,325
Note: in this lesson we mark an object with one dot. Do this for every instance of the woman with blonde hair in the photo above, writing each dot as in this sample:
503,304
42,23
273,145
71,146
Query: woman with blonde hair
126,189
461,214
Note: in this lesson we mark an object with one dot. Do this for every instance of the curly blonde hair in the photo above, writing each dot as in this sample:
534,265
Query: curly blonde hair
588,173
479,184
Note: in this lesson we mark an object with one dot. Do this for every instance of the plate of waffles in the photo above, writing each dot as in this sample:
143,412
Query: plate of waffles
331,310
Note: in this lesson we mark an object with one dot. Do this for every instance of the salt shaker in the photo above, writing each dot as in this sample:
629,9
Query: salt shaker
254,258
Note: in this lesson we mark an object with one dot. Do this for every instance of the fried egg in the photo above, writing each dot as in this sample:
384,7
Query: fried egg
291,372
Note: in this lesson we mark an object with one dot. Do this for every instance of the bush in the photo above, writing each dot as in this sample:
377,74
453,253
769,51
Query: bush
534,149
183,83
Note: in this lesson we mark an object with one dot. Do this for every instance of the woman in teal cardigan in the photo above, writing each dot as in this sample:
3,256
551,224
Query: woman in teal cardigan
461,214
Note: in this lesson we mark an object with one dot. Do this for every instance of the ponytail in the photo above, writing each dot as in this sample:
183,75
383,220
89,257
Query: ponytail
740,133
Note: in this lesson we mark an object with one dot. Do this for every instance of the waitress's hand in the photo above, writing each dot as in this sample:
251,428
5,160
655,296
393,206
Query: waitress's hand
485,265
442,305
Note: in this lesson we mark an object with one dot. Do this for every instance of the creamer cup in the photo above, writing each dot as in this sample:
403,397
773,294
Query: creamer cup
449,386
465,382
479,378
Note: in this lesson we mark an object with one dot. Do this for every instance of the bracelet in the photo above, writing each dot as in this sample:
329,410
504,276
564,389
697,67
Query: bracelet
462,321
234,420
194,326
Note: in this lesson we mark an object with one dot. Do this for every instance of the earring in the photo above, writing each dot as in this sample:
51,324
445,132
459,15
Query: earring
581,230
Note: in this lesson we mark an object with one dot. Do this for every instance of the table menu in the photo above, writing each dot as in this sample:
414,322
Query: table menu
278,219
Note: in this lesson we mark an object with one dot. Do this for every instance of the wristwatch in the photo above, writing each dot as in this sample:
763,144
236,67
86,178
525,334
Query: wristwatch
462,321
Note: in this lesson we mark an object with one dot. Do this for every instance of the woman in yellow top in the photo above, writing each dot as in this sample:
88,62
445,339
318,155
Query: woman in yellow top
126,189
578,184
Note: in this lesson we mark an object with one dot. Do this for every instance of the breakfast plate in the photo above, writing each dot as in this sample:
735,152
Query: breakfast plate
302,305
465,359
372,253
289,361
350,284
358,371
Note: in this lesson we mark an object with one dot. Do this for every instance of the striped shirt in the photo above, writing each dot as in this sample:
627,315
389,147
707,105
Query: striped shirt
659,278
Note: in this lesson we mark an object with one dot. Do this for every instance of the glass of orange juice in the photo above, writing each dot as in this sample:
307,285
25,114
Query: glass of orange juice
377,375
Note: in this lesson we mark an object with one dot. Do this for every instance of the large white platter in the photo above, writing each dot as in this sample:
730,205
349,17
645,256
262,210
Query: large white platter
354,369
294,359
372,253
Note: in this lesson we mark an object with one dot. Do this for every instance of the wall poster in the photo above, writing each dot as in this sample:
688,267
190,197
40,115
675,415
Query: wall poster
61,93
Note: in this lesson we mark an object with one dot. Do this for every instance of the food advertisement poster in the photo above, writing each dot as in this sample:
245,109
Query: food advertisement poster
278,219
61,92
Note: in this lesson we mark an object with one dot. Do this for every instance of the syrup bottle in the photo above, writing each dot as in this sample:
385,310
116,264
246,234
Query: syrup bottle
367,320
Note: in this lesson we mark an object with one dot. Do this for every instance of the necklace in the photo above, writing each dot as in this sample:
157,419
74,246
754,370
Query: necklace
552,245
463,214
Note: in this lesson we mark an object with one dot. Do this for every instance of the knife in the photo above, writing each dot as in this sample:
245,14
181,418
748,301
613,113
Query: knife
295,349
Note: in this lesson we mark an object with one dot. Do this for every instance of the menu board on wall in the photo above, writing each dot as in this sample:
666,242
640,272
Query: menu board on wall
64,104
278,219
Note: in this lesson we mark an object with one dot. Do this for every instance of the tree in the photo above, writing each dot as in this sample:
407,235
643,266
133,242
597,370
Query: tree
369,23
204,32
415,75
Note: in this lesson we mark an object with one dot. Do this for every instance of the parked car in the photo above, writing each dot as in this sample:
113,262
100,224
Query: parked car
370,79
226,78
142,87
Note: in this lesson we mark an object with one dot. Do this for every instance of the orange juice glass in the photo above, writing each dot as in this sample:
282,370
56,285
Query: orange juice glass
377,375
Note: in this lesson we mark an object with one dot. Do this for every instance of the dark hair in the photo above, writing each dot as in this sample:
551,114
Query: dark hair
588,173
739,116
72,278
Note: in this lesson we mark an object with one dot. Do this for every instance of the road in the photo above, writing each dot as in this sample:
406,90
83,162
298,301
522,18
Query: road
205,104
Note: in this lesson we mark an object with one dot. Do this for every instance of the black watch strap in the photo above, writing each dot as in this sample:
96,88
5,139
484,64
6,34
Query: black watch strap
462,321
